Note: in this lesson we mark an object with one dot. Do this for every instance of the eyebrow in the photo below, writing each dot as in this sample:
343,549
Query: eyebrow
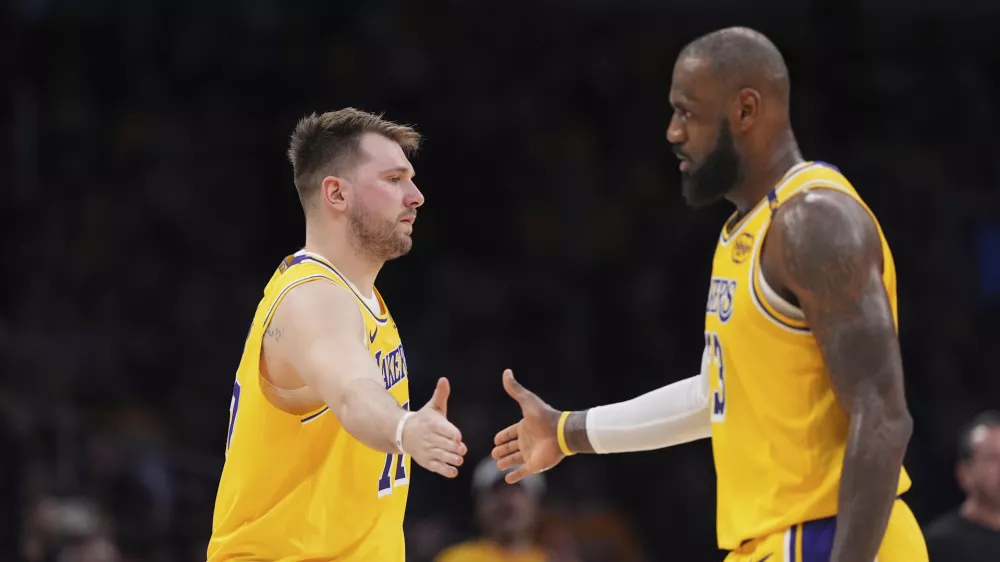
400,169
686,99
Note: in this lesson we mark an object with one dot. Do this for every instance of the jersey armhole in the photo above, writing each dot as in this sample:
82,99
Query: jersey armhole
264,384
768,302
772,305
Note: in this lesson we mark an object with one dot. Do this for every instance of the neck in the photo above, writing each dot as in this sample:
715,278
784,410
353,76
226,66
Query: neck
337,249
981,514
761,178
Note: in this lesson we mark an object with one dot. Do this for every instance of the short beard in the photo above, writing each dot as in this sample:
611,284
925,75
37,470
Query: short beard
722,170
376,239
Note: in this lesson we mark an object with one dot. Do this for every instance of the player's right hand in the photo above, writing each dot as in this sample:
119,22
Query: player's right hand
433,441
530,445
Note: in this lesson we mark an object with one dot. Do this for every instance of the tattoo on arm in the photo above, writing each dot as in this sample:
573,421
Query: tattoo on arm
827,252
274,332
576,433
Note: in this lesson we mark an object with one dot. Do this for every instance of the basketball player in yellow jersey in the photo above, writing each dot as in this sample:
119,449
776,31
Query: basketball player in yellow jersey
320,433
801,389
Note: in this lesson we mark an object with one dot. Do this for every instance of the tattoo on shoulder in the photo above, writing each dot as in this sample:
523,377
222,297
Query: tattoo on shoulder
829,249
830,255
274,332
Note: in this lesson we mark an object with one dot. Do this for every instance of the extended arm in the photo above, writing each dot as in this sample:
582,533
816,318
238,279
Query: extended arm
322,341
668,416
825,249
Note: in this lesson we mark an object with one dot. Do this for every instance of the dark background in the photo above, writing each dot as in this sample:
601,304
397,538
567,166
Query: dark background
145,201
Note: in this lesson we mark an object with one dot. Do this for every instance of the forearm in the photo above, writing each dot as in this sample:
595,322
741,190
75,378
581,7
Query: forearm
869,480
370,413
667,416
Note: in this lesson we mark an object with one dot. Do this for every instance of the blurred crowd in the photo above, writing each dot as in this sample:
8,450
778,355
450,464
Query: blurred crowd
146,202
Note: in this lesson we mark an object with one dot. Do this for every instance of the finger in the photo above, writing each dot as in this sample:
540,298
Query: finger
510,461
439,400
441,468
516,476
497,453
508,434
449,445
508,448
513,388
447,457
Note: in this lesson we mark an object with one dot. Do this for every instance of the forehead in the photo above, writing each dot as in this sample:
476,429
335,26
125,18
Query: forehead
693,81
985,439
380,151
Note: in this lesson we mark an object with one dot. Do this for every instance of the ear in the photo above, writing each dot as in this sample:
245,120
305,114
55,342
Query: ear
748,109
332,191
963,476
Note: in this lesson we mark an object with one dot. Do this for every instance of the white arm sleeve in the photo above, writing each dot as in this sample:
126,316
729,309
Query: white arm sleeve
668,416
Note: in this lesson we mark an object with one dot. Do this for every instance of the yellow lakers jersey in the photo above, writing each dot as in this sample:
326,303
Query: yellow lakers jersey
778,433
300,487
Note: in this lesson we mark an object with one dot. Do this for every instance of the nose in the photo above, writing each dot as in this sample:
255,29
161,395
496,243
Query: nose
413,197
675,132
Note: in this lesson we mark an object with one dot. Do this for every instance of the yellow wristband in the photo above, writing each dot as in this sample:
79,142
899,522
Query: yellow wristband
561,434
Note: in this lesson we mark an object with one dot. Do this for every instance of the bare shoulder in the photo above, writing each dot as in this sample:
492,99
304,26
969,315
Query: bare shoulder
313,315
315,309
822,244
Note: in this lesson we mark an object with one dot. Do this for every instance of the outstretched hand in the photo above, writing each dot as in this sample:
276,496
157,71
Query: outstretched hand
531,444
431,440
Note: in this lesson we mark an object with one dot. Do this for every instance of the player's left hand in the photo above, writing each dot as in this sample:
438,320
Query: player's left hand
531,444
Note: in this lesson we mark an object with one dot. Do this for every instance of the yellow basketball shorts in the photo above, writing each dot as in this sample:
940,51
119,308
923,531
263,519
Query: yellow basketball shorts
812,541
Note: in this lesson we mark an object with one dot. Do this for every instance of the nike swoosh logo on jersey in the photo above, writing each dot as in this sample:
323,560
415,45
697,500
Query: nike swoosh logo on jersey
371,336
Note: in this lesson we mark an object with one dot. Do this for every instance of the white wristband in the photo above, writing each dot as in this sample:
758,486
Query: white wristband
399,431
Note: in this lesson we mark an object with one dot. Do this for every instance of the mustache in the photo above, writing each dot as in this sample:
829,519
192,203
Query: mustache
408,215
679,153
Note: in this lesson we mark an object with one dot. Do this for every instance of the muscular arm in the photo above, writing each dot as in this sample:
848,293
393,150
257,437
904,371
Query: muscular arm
825,249
322,341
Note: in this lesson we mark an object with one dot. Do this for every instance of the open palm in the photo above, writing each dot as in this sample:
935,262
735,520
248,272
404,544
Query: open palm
531,444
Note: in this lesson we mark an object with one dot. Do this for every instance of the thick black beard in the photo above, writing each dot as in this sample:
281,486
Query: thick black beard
717,176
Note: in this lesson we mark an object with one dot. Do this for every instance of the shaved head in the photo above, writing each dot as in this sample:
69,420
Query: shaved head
742,58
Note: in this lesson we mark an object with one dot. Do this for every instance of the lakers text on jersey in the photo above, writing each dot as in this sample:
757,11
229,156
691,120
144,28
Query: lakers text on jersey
778,433
300,487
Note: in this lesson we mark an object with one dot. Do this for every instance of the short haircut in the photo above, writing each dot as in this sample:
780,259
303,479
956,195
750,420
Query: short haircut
987,419
742,57
328,144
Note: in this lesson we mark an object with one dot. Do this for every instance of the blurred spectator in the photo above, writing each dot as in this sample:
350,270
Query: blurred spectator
593,534
508,516
584,521
972,532
68,529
